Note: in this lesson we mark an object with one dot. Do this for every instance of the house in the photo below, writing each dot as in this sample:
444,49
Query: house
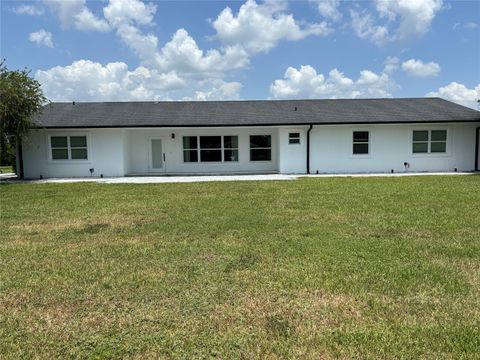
222,137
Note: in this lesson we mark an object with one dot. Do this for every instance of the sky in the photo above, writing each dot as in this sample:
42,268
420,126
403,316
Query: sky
133,50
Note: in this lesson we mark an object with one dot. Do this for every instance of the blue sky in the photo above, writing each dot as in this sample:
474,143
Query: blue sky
204,50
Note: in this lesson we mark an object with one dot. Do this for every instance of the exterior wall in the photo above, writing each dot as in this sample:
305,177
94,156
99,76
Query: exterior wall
117,152
139,160
292,157
390,148
105,154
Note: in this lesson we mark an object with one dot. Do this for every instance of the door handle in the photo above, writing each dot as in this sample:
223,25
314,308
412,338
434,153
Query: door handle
163,156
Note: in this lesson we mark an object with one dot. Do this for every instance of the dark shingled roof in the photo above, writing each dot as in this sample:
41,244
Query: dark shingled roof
252,113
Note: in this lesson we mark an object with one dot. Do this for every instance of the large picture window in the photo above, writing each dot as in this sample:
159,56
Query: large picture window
69,147
429,141
260,147
210,148
361,142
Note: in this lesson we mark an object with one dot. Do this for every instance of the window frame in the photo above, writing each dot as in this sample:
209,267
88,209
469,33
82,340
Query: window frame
260,148
368,142
429,142
299,138
199,149
69,147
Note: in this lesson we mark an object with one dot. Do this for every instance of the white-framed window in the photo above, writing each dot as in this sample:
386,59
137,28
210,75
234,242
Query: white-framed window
429,141
260,147
68,147
213,148
294,138
361,143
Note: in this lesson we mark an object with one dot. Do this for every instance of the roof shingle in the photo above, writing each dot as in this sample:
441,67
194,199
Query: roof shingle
252,113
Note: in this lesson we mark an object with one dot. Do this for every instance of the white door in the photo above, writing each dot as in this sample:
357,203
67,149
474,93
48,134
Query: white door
157,156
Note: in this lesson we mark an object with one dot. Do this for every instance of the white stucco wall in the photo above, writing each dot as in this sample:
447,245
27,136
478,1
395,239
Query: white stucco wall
117,152
139,159
390,147
105,154
292,157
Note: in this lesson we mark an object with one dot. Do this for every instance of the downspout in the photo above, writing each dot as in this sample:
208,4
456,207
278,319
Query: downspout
308,148
20,159
477,145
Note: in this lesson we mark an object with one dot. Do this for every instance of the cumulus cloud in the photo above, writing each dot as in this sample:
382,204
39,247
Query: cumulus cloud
305,82
458,93
395,20
363,23
391,64
259,27
41,37
29,9
418,68
75,13
328,9
181,53
220,90
85,80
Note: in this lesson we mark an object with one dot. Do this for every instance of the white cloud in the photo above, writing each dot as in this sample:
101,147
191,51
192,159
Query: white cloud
458,93
220,90
329,9
41,37
418,68
183,54
391,64
259,27
396,20
76,13
180,54
119,12
414,17
467,26
85,80
364,26
31,10
307,83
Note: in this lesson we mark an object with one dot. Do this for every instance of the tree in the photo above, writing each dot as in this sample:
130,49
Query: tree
21,96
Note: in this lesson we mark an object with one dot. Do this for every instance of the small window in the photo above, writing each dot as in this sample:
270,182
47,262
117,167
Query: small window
59,146
361,142
429,141
260,148
69,147
294,138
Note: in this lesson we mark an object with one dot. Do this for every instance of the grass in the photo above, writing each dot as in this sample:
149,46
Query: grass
6,169
315,268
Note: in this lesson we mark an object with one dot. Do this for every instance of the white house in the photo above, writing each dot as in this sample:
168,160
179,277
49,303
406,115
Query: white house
222,137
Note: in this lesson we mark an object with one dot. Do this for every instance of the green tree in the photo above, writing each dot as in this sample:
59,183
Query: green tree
21,96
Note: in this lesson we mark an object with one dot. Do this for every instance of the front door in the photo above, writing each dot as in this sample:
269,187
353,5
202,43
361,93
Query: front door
157,156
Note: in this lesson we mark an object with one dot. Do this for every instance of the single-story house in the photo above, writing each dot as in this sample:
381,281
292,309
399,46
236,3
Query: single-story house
225,137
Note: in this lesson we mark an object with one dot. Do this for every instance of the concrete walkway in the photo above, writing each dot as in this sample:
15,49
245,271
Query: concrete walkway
205,178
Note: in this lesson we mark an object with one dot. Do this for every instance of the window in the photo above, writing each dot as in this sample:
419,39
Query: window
190,149
69,147
260,148
361,142
210,148
429,141
230,148
294,138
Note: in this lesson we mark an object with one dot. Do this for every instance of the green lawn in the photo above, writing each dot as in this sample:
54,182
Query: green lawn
6,169
315,268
